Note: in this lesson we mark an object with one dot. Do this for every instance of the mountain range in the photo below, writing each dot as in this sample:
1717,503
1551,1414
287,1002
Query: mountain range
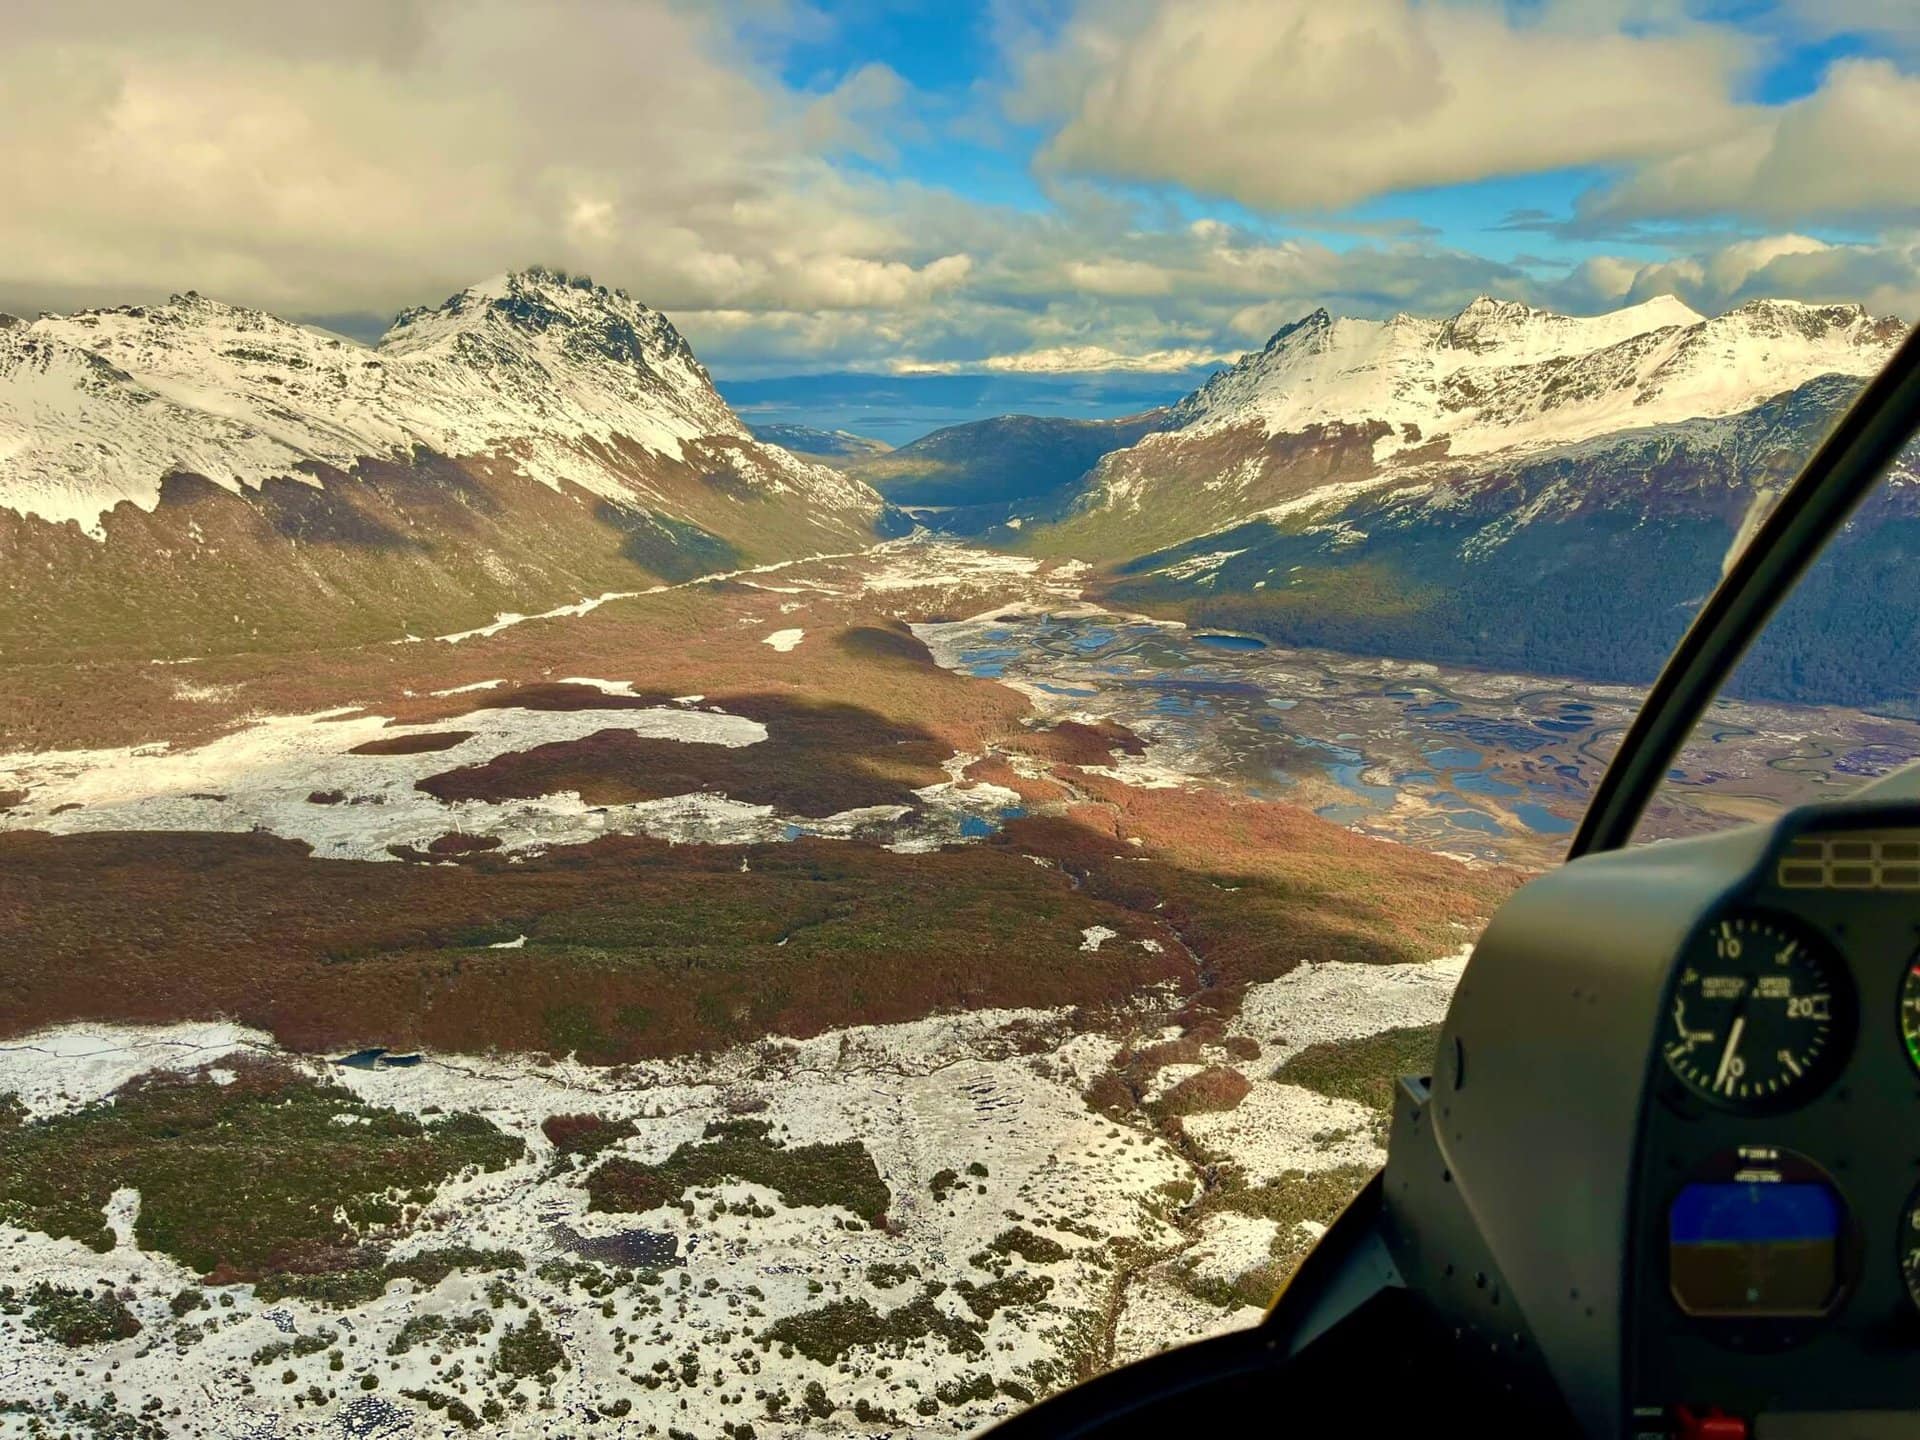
1503,486
197,477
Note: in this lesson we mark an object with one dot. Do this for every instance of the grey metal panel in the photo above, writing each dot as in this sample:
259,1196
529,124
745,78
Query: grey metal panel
1536,1103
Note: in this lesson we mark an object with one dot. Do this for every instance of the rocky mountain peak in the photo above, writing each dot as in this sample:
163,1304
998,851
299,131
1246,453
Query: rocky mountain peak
588,321
1796,319
1485,322
1308,327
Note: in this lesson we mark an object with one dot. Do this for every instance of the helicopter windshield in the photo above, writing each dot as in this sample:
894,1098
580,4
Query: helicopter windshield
1826,700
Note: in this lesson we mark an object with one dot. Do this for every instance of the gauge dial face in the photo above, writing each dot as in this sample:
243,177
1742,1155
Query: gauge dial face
1910,1011
1755,1020
1910,1247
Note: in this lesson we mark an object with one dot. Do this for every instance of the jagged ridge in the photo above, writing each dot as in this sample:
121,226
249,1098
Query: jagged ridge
195,476
97,408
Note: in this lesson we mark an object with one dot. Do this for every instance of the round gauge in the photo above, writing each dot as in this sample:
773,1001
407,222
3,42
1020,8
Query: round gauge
1910,1011
1758,1013
1910,1247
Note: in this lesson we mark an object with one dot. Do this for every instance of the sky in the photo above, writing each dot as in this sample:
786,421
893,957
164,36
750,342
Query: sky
1118,188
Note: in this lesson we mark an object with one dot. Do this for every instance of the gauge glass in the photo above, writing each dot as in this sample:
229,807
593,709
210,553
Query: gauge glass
1910,1247
1755,1016
1910,1011
1761,1236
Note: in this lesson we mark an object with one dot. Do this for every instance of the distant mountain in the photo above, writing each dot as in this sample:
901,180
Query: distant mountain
1012,469
1504,486
829,447
198,477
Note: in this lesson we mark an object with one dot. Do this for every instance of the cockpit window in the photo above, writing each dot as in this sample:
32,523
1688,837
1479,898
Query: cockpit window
1828,697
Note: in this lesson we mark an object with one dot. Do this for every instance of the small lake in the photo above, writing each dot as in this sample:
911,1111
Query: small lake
1222,641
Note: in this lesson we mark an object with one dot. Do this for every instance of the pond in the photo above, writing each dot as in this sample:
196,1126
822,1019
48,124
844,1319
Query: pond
1221,640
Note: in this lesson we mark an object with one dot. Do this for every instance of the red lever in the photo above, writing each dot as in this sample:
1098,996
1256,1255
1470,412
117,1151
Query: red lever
1711,1424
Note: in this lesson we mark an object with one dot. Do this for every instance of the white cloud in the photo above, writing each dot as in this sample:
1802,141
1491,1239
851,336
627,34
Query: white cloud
1117,277
1302,104
1852,148
350,159
376,153
1883,275
1073,359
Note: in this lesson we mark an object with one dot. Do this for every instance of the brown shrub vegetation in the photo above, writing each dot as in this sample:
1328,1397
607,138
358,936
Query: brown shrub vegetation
817,759
1072,742
424,743
1218,1087
995,771
636,947
584,1134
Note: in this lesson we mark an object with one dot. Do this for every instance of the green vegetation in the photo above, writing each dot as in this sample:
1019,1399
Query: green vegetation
77,1317
827,1334
529,1350
840,1174
268,1174
421,1329
1363,1070
12,1113
1297,1195
452,1406
294,1349
70,1418
975,1385
814,1399
365,1276
996,1295
1288,1200
1035,1249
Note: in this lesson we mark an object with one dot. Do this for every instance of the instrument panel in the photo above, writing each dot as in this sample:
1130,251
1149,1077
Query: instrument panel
1778,1192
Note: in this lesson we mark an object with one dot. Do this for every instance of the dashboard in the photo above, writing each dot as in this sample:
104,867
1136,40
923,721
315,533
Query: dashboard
1665,1176
1776,1227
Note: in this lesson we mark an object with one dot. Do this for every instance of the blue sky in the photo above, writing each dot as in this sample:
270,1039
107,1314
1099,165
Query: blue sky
931,187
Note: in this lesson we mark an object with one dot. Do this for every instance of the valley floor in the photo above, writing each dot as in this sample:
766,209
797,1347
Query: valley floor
857,995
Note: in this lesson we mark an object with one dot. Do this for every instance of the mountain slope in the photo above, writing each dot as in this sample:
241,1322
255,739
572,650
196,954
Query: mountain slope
966,479
1511,488
202,476
838,448
1340,401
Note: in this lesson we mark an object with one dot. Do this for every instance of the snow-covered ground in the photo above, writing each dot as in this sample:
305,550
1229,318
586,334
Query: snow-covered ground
970,1093
296,776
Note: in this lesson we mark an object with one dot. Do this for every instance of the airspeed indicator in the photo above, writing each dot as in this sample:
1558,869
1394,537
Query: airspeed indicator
1758,1015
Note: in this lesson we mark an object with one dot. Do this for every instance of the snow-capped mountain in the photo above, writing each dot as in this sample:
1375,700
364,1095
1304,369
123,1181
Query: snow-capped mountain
1347,400
1499,375
1505,485
588,447
98,407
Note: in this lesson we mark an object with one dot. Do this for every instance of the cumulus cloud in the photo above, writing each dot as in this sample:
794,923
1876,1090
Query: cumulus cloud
1850,149
371,153
1299,104
351,159
1883,275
